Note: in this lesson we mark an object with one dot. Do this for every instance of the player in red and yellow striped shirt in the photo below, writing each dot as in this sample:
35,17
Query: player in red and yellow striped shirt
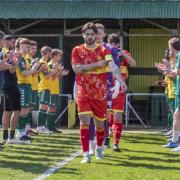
91,62
123,60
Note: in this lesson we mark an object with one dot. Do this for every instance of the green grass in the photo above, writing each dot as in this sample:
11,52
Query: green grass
28,161
142,157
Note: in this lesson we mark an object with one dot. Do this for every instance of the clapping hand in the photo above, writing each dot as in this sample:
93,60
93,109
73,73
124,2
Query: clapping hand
64,71
172,74
4,65
161,67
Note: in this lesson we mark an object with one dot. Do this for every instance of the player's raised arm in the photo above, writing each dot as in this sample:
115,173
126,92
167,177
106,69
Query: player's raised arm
128,57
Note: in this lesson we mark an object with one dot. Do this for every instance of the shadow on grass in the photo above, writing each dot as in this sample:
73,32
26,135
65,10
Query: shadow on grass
26,158
141,158
35,165
58,141
137,165
143,140
26,150
59,147
150,152
67,170
36,158
153,159
152,137
42,159
37,153
35,168
59,136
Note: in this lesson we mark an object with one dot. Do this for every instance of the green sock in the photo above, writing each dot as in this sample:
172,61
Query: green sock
29,118
53,115
170,119
22,123
171,106
50,118
41,119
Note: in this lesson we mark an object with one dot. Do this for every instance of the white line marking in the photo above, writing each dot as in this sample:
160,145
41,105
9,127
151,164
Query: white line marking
58,166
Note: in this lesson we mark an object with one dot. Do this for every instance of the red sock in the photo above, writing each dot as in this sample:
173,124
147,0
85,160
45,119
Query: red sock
99,136
117,131
110,119
84,138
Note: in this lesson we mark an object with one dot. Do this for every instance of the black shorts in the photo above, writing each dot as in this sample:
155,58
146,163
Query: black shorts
11,99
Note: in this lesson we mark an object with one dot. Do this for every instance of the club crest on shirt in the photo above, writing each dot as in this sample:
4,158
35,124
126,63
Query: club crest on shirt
99,57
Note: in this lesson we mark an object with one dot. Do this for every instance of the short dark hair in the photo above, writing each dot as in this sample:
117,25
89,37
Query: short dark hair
25,41
89,25
176,45
55,52
113,38
9,37
100,26
17,45
34,43
2,35
45,50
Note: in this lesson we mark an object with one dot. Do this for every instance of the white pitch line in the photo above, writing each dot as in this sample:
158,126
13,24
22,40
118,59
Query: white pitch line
58,166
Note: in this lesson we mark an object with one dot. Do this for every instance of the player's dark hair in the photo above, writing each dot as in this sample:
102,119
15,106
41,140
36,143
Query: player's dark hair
25,41
89,25
55,52
9,37
45,50
100,26
34,43
17,45
113,38
2,35
176,45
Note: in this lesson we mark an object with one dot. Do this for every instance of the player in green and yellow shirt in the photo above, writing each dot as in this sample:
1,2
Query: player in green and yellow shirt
44,89
34,104
24,74
55,64
34,84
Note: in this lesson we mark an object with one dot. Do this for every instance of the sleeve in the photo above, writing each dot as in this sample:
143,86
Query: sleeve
22,65
75,56
114,54
126,60
108,55
178,62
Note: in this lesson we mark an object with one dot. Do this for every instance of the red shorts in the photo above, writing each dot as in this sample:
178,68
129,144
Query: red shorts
118,103
96,108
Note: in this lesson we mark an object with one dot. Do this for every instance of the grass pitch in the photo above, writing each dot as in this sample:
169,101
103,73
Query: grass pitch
142,157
